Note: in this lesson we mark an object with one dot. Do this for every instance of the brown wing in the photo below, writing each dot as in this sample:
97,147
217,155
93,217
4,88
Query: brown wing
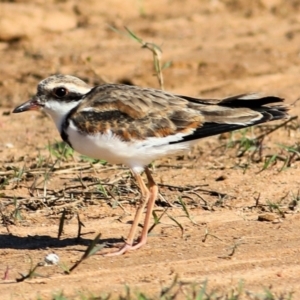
136,113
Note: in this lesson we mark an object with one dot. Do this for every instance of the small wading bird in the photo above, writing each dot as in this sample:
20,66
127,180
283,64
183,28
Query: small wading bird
133,126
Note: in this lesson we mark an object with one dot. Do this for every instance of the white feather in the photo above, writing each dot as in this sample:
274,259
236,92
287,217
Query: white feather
58,110
135,154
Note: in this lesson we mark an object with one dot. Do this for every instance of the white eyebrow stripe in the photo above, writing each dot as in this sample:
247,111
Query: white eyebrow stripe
72,87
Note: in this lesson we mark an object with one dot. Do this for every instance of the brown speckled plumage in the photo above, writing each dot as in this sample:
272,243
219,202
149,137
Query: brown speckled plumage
137,113
133,126
134,113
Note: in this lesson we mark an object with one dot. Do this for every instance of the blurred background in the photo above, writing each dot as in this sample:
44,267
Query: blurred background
217,47
212,48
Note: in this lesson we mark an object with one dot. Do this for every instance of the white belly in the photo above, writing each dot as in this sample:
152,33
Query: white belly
135,154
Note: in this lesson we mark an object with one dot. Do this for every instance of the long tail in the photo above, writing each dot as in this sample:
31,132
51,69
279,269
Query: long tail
235,112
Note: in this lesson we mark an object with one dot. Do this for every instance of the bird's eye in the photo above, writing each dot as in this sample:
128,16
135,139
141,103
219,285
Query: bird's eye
60,92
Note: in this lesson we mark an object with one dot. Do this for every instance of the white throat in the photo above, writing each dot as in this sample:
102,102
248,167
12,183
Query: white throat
58,110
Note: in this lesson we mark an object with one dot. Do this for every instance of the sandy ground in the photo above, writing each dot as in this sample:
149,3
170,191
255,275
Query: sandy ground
217,48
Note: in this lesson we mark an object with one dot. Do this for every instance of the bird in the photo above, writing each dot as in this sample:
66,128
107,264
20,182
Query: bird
131,125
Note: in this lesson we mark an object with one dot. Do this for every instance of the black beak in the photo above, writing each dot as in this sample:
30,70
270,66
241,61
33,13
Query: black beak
31,104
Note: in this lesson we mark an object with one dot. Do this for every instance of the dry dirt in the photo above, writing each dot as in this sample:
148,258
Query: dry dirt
217,48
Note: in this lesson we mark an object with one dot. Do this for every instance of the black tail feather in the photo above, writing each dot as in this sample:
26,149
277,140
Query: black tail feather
269,113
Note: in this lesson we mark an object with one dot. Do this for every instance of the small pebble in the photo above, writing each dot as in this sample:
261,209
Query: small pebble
266,218
51,259
9,145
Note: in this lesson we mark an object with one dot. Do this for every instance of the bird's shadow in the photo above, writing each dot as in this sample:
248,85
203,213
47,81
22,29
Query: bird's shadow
10,241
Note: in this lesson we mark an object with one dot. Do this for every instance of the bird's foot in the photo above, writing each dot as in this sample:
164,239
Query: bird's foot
126,247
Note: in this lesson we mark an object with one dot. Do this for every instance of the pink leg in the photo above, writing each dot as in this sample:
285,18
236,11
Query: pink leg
153,188
148,195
